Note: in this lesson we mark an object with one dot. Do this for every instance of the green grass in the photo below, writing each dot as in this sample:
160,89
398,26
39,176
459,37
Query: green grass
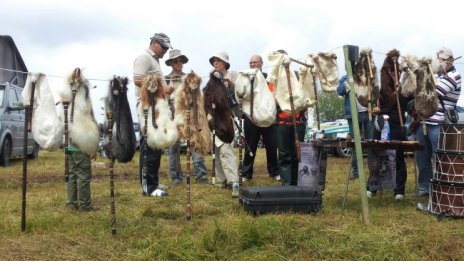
157,229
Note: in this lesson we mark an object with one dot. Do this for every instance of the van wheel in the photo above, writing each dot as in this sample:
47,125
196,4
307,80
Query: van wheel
35,151
344,152
5,153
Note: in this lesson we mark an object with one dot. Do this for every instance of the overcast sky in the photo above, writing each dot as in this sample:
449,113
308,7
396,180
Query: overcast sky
104,37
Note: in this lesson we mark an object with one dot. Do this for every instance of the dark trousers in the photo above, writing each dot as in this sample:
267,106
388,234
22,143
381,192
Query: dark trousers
153,159
288,160
252,134
398,133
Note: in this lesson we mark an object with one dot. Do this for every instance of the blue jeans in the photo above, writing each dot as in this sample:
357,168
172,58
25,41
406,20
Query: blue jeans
424,157
175,168
366,129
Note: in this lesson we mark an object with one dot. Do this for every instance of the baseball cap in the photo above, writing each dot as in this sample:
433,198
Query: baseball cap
445,53
162,39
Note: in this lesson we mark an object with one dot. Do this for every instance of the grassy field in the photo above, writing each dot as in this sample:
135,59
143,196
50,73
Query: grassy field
156,228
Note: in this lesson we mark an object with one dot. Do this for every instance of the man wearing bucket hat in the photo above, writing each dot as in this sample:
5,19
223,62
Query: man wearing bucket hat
448,90
176,61
226,165
148,61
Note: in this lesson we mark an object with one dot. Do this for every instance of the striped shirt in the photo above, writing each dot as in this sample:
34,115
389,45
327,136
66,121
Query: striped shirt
448,89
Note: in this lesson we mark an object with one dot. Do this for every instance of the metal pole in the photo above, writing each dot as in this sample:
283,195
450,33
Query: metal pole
351,54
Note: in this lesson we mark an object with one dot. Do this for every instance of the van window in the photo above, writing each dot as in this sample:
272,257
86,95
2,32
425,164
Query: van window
2,94
12,99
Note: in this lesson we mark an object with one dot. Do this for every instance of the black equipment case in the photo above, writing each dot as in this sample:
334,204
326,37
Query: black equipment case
260,200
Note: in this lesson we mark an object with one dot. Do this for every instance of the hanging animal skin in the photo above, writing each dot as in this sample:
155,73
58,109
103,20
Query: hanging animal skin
83,128
189,95
426,100
161,128
123,135
409,65
364,83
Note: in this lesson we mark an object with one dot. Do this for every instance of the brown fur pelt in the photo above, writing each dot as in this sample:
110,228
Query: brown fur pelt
161,128
387,97
408,65
84,131
363,80
426,100
189,94
222,125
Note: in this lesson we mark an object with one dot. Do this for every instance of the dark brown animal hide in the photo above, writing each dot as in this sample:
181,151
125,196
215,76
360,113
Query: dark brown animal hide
387,99
426,100
214,93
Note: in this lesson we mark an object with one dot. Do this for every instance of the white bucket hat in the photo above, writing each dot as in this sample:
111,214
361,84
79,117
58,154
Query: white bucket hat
175,53
223,56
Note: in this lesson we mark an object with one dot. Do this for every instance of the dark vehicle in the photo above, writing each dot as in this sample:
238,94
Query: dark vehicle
12,117
12,113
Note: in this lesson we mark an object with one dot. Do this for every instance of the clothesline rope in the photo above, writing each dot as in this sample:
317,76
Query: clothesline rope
108,80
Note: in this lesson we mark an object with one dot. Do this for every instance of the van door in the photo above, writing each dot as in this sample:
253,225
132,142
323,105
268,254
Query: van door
17,121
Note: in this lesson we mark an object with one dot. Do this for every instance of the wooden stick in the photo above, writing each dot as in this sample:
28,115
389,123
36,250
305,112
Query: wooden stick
66,141
27,126
213,153
302,63
187,129
240,156
292,107
109,116
369,86
397,89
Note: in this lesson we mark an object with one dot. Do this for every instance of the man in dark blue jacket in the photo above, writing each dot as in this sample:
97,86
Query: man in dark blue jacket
365,126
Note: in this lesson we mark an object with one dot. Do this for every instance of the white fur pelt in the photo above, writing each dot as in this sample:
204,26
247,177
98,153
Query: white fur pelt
277,76
326,69
161,129
264,107
361,76
408,65
426,100
84,131
189,93
47,127
308,79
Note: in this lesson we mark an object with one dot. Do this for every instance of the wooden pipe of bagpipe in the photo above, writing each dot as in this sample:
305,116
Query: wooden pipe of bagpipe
27,127
109,116
316,104
213,153
66,141
302,63
153,110
145,148
369,86
397,89
292,107
240,156
187,130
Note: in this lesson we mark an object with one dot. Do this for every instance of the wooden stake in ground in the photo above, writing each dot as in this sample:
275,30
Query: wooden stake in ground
109,116
187,130
351,56
213,153
27,127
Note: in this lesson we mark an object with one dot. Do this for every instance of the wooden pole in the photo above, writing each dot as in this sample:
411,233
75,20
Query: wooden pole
213,153
109,116
292,107
351,54
369,86
397,90
27,127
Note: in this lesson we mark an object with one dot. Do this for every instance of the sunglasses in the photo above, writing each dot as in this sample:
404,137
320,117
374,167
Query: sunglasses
164,48
177,61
